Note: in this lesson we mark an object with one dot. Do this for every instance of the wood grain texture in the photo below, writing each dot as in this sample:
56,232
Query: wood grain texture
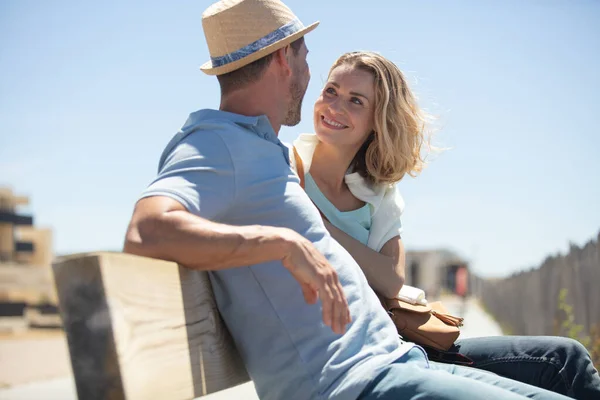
151,329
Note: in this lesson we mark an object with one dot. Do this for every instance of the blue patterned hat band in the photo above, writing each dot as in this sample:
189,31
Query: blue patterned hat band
281,33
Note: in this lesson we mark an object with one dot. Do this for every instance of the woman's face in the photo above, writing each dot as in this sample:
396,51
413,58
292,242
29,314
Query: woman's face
344,111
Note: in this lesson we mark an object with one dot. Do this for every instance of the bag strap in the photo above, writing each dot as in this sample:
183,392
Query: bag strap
299,167
447,357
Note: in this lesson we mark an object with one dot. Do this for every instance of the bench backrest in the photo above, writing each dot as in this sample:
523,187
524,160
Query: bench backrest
140,328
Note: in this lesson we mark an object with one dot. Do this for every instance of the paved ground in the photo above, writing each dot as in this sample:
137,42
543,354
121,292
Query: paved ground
477,323
26,357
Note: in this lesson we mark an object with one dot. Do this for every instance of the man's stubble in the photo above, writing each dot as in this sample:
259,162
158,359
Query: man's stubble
295,110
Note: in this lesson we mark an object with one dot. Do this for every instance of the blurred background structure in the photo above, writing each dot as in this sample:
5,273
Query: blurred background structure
437,272
27,292
32,344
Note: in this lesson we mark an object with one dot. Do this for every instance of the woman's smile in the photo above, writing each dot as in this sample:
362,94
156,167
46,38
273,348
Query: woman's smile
332,123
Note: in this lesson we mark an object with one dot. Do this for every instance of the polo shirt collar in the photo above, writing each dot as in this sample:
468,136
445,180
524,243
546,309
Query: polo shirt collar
259,124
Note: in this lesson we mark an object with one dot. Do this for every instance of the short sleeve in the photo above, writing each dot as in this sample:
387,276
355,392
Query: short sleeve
391,221
198,172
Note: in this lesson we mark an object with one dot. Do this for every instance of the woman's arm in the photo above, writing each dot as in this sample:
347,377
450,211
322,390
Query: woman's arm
384,270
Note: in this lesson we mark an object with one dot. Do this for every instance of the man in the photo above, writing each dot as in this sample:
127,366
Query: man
225,200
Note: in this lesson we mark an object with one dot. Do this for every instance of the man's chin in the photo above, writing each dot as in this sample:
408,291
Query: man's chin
291,123
293,119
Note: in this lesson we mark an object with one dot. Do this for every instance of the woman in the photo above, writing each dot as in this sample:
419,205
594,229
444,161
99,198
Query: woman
369,132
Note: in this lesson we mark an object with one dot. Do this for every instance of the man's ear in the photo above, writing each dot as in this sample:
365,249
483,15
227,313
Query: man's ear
282,57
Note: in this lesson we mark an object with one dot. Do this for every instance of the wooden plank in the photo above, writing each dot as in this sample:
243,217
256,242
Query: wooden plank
141,328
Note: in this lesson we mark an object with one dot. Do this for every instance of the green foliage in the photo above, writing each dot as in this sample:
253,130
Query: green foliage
565,325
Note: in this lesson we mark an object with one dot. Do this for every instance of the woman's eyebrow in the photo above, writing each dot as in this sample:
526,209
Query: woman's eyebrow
352,93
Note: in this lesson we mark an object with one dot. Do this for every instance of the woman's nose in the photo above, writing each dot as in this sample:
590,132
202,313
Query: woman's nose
335,106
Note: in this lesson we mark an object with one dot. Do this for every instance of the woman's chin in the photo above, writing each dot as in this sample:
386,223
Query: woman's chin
325,136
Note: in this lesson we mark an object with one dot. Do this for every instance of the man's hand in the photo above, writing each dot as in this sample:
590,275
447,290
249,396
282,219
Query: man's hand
317,278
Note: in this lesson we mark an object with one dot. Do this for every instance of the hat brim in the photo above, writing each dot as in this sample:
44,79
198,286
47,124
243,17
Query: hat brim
208,69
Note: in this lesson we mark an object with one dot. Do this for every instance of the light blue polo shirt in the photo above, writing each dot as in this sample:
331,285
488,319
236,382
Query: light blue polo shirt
233,169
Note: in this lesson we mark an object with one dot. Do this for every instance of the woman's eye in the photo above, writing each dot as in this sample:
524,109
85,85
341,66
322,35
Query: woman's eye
330,90
356,100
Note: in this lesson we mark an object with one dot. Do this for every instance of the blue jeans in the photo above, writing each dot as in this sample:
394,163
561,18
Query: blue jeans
413,377
558,364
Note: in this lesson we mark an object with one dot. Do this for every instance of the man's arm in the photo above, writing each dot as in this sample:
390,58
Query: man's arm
162,228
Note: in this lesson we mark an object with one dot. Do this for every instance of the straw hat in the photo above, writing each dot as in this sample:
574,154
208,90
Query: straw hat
241,31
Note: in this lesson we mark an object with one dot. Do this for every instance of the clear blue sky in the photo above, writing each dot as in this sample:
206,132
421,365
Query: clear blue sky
90,92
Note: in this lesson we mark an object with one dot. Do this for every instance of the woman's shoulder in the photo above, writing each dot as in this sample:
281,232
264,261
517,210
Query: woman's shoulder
306,139
376,194
302,139
305,145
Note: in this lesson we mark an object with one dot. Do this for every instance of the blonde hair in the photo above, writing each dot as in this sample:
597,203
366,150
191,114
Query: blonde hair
394,148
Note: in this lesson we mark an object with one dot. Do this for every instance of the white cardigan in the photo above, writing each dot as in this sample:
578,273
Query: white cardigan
386,203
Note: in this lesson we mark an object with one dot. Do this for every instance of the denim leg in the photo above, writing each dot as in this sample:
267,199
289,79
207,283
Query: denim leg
416,379
508,385
559,364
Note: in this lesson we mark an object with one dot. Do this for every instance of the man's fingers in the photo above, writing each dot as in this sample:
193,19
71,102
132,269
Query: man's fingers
348,316
335,306
335,303
340,308
346,309
318,280
342,317
310,294
327,305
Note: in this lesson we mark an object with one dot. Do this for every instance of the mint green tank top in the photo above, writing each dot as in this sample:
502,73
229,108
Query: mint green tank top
355,223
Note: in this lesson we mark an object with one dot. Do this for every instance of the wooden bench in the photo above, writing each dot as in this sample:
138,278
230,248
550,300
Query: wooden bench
141,328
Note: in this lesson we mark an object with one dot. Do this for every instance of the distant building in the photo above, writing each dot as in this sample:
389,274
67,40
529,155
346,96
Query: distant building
10,248
27,292
437,272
